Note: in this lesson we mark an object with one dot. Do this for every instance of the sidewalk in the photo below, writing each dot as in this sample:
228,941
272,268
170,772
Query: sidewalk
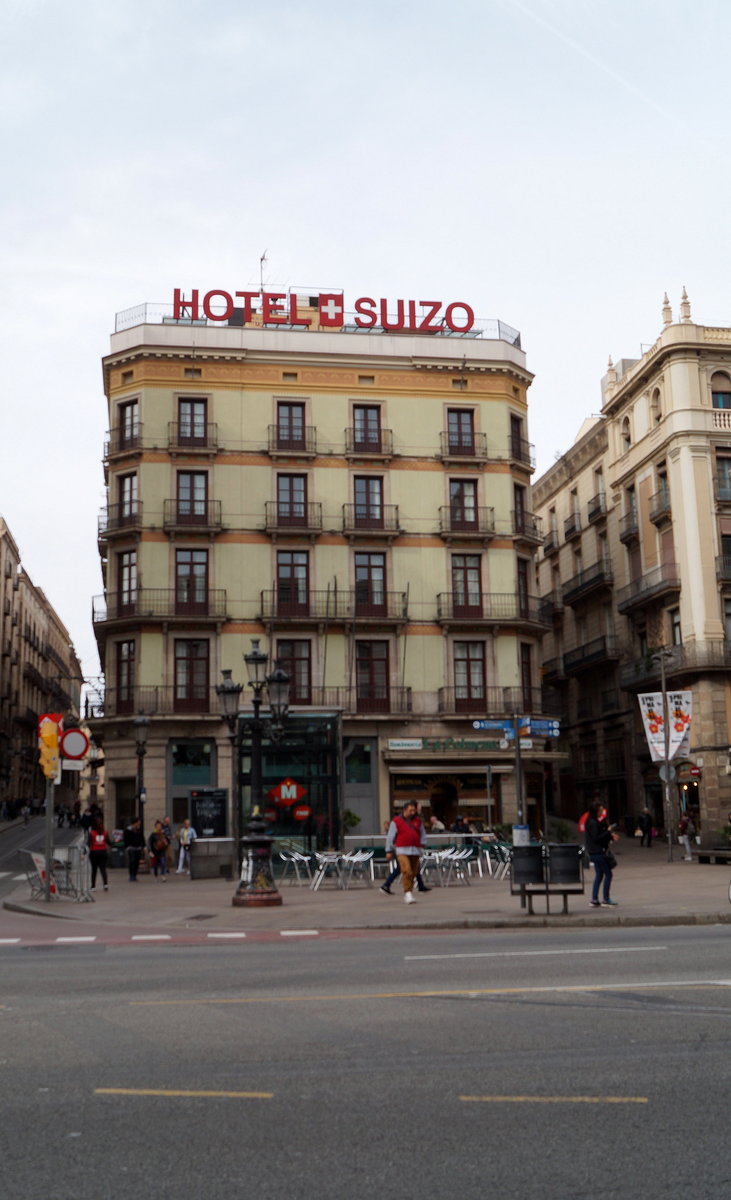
649,891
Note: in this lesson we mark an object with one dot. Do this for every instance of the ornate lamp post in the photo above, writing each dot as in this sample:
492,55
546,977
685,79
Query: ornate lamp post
229,696
256,887
141,725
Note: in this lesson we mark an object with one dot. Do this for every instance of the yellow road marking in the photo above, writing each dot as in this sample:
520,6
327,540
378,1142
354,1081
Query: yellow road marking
171,1092
445,994
555,1099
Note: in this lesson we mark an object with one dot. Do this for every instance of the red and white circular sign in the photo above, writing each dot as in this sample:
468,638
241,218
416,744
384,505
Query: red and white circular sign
74,744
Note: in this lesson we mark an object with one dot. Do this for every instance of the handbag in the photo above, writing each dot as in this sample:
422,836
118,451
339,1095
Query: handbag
610,859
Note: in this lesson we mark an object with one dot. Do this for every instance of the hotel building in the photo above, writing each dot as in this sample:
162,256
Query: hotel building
352,490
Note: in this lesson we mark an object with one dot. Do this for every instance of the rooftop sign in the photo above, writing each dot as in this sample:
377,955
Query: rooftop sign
325,310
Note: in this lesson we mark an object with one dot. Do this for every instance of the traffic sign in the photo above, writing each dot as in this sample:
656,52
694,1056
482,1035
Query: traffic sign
74,743
547,728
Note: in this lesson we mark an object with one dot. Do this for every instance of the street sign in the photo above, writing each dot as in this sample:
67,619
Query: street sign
544,728
506,725
74,743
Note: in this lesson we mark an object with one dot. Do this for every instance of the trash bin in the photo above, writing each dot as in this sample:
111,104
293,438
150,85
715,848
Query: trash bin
527,865
564,863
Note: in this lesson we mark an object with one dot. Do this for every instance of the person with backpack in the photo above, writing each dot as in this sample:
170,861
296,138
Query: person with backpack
158,846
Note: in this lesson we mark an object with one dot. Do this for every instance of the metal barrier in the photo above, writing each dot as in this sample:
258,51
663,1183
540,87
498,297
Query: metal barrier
70,873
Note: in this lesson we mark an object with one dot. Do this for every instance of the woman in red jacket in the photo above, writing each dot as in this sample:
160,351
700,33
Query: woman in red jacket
98,842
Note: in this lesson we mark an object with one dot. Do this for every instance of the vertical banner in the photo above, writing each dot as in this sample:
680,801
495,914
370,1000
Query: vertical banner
679,716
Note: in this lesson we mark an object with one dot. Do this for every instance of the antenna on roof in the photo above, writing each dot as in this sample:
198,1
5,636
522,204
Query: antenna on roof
262,260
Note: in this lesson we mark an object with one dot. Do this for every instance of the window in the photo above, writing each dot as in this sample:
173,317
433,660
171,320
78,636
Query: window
292,500
370,584
676,636
726,555
368,491
128,501
192,501
469,676
295,658
523,568
357,758
192,421
461,431
526,677
191,581
721,390
655,407
126,580
463,503
519,510
367,428
517,444
191,675
626,436
727,618
723,477
129,424
292,583
290,426
125,676
466,585
371,676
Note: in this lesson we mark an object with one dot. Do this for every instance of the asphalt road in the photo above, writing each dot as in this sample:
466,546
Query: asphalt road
557,1064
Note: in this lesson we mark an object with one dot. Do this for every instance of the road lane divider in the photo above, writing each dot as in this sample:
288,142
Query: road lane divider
178,1093
555,1099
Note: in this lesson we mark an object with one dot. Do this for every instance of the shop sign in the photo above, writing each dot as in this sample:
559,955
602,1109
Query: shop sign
286,793
450,745
689,773
405,743
281,308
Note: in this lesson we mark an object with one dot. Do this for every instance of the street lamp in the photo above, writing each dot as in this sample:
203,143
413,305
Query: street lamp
141,726
256,887
229,696
660,657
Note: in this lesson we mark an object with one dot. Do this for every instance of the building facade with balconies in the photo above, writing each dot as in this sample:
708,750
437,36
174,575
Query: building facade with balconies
357,499
638,547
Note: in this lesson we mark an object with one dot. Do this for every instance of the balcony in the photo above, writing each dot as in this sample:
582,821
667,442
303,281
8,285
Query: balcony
292,518
156,700
659,506
599,650
653,585
552,670
122,440
293,443
722,488
629,528
387,701
376,443
572,526
371,520
193,439
527,527
118,519
551,607
692,659
290,605
463,449
592,579
490,702
494,608
551,542
192,516
723,568
596,508
160,604
458,522
522,452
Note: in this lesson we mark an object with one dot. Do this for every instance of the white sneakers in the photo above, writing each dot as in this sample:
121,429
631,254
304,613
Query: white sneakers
408,897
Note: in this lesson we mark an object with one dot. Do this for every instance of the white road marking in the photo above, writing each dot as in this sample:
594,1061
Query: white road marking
151,937
75,939
9,941
299,932
537,953
19,878
226,935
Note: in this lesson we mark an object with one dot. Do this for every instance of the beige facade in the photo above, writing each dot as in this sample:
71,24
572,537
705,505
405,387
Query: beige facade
39,672
637,557
358,501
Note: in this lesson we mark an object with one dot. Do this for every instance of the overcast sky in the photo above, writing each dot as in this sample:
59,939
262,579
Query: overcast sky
555,163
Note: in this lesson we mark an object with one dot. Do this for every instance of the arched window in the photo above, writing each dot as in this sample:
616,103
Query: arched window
655,407
721,390
626,435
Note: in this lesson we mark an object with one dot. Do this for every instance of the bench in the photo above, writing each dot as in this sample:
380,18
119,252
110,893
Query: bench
711,854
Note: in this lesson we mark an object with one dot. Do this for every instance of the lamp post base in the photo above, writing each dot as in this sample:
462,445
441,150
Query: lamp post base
263,899
257,888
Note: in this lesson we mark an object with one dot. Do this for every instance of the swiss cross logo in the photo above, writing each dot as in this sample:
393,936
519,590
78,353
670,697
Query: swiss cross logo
332,310
287,792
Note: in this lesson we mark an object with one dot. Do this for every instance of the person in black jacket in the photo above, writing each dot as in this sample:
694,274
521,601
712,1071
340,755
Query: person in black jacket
134,842
598,838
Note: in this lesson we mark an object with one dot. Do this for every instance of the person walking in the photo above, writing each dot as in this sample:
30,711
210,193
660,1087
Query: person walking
406,840
686,830
186,837
98,842
158,847
598,838
134,844
644,822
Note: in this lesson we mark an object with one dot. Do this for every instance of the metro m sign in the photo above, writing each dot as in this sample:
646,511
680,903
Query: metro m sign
286,793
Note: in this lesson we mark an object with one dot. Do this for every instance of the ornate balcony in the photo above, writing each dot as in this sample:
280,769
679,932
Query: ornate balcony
458,522
551,607
378,445
522,452
653,585
155,700
371,520
527,527
463,449
490,701
491,608
551,542
291,518
598,650
629,528
122,440
160,604
592,579
596,508
659,506
572,526
192,516
290,443
694,658
193,439
117,520
287,604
